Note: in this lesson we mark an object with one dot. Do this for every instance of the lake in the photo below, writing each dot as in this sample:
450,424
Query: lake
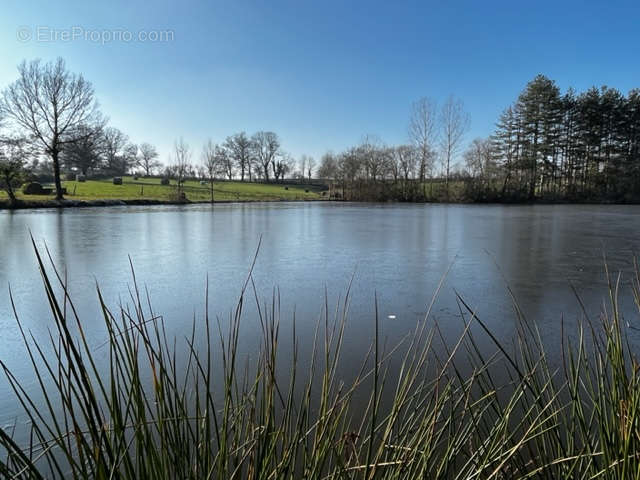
398,253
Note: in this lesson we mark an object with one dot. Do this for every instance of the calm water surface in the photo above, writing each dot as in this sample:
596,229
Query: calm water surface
400,252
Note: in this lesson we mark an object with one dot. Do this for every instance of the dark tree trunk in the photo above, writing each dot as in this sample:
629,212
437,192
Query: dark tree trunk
10,192
56,174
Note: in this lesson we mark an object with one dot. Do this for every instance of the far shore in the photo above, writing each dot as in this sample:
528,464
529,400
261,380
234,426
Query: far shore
70,203
67,203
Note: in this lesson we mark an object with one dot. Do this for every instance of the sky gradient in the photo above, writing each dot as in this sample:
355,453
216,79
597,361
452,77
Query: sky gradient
319,74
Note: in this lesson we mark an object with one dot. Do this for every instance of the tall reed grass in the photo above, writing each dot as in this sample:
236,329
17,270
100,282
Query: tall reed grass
161,410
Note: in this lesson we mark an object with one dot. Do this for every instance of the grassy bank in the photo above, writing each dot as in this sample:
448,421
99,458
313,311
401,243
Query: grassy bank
442,414
150,189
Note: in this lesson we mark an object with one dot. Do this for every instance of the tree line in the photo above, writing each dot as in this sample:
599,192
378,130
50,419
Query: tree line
547,145
419,170
240,157
51,125
245,158
571,146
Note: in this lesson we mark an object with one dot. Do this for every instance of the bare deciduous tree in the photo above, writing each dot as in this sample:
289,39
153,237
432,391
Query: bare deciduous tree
306,165
130,156
120,154
182,157
311,164
407,159
239,147
265,146
51,103
328,166
481,165
210,163
373,158
282,164
423,133
225,161
86,154
302,165
147,159
454,123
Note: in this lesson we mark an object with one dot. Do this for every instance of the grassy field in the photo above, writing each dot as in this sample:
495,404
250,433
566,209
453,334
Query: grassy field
150,189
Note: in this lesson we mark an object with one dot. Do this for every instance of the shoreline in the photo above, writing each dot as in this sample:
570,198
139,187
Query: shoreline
67,203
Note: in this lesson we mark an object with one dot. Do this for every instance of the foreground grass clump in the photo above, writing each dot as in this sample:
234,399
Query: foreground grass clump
440,414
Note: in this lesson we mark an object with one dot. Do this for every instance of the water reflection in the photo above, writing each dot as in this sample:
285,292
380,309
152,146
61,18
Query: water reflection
398,251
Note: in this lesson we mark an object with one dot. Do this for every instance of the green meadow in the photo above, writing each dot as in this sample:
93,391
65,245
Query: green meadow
151,189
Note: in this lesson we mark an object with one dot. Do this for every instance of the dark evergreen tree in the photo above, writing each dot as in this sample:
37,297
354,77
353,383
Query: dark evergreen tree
539,107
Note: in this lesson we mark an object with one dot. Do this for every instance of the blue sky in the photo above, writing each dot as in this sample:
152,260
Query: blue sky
320,74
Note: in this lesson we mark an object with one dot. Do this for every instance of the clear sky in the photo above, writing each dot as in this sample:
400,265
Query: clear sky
320,74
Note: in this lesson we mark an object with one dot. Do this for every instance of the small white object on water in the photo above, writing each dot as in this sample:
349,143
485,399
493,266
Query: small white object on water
392,317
